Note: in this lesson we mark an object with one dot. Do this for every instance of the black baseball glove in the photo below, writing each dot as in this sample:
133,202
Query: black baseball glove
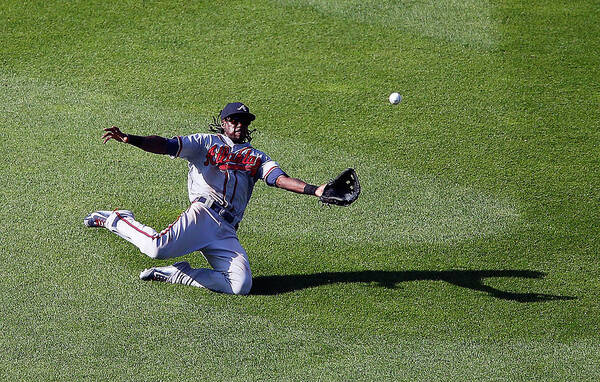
343,190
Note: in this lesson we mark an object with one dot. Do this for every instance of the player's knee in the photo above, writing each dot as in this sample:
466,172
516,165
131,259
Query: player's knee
241,289
241,285
240,276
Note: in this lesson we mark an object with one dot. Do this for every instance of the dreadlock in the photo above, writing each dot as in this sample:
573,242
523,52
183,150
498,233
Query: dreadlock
215,126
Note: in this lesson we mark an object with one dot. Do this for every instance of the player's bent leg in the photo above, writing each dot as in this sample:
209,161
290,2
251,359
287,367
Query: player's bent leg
228,257
231,276
195,229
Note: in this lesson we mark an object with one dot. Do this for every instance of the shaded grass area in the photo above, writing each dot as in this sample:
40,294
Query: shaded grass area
271,285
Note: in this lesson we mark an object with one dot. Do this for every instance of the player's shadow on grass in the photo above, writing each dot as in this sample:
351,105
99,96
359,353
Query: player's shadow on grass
272,285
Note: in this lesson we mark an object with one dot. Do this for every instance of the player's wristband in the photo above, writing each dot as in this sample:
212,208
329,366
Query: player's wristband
309,189
135,140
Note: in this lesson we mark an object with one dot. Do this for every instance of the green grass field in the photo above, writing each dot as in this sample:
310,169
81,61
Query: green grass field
471,255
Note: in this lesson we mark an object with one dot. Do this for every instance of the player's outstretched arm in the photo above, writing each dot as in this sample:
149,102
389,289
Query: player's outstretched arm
152,144
298,186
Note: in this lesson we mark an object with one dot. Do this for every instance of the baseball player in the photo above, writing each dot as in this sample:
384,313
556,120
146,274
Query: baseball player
223,168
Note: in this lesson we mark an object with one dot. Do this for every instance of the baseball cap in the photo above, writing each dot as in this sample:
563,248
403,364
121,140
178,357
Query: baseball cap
237,108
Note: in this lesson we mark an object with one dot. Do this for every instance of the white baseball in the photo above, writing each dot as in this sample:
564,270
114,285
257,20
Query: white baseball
395,98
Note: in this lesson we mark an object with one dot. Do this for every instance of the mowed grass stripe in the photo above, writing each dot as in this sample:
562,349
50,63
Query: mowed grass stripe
467,22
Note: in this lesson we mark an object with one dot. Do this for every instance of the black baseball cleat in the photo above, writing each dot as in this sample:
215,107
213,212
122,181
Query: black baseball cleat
162,273
153,274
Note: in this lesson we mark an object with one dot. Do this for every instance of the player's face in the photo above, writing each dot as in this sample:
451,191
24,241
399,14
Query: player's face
236,128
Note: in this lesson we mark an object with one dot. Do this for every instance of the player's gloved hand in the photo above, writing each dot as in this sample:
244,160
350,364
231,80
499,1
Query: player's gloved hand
116,134
343,190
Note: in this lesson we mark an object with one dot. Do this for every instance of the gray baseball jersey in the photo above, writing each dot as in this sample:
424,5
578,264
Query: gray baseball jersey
223,170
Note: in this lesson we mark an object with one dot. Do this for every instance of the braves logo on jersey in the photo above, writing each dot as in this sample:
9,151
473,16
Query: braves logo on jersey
241,160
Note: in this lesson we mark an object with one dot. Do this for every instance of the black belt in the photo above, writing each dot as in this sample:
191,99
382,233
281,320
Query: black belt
220,210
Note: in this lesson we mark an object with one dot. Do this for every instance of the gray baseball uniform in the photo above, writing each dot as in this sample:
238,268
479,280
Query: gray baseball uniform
221,178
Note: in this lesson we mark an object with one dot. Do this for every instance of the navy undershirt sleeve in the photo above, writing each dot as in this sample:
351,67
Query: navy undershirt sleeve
172,146
273,175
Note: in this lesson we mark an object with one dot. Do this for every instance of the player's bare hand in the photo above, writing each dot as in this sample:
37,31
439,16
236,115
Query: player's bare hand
116,134
320,189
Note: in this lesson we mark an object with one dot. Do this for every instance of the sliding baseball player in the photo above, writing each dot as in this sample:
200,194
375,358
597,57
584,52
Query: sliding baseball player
223,169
